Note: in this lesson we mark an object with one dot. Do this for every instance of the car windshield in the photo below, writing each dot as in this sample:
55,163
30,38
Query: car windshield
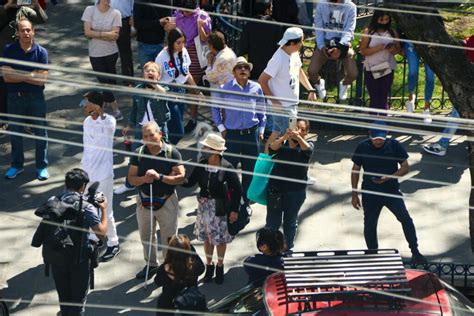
460,305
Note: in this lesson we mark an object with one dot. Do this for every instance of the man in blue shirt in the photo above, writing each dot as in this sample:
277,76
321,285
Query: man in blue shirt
25,85
241,119
380,158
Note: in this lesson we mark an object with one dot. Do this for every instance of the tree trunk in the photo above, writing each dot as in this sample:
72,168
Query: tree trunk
451,66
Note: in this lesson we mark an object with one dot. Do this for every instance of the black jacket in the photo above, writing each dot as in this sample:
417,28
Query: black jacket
147,21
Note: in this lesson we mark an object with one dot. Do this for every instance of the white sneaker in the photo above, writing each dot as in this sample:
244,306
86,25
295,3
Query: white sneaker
427,116
122,189
321,88
435,149
343,91
410,106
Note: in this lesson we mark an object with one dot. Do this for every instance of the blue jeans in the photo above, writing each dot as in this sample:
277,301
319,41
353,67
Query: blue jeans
29,105
281,121
148,52
246,145
450,129
413,60
286,205
175,124
373,205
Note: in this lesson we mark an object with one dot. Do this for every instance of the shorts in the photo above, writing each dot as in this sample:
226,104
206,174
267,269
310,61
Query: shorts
280,121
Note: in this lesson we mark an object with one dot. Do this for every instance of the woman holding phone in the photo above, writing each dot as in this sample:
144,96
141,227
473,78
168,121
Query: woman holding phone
379,64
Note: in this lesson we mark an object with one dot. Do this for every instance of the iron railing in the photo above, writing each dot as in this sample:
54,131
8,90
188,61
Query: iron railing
232,28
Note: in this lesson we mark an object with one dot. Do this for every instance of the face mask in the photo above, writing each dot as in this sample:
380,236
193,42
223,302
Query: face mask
206,154
383,26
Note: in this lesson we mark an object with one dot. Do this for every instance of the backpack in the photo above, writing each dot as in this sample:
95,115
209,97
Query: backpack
168,151
245,211
61,245
190,298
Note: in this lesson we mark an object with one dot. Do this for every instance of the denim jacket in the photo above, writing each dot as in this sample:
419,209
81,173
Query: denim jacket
159,108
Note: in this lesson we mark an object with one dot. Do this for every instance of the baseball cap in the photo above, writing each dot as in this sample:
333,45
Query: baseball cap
379,132
93,97
291,33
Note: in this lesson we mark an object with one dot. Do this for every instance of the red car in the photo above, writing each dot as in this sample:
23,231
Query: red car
350,283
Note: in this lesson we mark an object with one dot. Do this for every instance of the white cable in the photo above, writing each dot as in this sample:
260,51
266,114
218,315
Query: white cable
432,44
151,235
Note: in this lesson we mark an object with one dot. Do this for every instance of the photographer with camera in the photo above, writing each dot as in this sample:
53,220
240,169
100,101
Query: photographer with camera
97,160
72,276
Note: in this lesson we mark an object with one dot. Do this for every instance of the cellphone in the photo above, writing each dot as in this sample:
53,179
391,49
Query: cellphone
292,123
23,2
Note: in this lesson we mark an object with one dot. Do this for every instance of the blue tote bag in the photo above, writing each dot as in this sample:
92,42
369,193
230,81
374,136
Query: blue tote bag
257,191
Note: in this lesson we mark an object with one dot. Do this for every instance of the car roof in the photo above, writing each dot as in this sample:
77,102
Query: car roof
353,282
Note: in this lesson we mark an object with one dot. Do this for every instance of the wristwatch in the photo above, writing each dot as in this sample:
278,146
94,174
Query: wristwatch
161,177
312,90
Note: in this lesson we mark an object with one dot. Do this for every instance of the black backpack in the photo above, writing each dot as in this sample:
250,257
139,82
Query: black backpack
61,244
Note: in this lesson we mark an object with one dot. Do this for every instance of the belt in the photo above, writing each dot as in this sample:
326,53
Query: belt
24,94
244,131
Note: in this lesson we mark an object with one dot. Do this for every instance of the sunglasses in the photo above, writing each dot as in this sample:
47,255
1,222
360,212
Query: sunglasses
244,67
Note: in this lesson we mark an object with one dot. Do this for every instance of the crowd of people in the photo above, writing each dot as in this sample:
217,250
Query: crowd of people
178,52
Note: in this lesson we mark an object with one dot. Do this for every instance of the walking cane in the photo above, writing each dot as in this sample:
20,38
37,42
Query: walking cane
151,236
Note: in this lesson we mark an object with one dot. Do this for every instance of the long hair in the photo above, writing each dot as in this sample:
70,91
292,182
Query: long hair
180,262
274,239
173,36
373,25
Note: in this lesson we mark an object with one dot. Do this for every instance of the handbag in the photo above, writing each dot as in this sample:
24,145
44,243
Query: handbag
201,51
148,202
380,70
257,190
245,211
190,298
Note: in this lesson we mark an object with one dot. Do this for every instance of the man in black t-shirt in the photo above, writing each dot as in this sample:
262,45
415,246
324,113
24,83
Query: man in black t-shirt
380,158
155,169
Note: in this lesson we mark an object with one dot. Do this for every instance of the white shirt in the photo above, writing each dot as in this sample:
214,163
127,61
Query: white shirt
148,116
168,72
285,72
102,22
97,159
383,55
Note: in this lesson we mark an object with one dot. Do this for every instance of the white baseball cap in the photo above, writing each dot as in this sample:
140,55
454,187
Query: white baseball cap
291,33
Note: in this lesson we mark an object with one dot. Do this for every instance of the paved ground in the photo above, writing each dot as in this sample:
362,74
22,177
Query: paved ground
327,220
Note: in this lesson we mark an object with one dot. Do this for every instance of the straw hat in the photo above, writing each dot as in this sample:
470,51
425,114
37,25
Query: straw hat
242,61
215,142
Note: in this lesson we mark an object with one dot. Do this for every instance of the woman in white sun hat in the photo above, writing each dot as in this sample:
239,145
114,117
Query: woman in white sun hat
214,205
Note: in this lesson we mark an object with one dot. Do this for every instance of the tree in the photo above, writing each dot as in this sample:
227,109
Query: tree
451,66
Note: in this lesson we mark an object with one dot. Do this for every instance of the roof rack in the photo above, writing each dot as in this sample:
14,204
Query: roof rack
345,276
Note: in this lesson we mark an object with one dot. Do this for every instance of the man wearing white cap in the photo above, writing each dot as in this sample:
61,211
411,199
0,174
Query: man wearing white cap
282,78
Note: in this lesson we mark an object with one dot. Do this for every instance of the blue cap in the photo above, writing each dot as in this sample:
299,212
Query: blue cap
379,132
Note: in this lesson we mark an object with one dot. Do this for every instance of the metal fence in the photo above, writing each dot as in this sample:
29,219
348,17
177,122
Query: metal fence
232,28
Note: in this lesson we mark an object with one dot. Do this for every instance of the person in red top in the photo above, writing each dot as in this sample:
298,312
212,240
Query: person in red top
469,43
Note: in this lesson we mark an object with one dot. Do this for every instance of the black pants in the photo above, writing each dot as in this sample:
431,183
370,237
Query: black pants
72,284
105,64
125,48
245,144
373,205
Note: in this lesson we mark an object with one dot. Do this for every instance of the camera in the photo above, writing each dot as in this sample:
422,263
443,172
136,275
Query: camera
93,196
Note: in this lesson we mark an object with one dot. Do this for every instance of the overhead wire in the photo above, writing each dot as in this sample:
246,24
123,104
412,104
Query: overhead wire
190,252
368,125
421,301
243,18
